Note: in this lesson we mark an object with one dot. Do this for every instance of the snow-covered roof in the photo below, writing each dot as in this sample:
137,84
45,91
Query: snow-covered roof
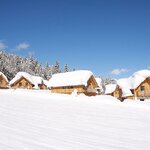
110,88
126,92
135,80
1,74
22,74
124,83
99,81
73,78
35,80
45,82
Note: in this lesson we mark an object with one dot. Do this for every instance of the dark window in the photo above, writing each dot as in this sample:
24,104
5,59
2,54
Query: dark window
142,88
27,84
20,84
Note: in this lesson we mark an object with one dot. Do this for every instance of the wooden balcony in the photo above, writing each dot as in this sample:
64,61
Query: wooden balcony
91,90
145,93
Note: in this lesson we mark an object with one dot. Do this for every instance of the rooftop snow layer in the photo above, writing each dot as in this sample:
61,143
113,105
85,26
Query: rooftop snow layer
126,92
110,88
99,82
73,78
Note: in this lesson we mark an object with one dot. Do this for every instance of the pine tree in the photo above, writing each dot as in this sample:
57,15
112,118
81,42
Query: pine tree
56,68
66,68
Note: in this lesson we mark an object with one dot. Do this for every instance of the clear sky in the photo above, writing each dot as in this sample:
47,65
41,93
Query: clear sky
109,37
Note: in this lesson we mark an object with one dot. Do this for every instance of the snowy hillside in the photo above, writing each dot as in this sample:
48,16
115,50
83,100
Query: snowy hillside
39,120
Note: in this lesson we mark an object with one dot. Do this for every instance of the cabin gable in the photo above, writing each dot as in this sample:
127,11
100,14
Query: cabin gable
117,93
3,82
22,83
143,90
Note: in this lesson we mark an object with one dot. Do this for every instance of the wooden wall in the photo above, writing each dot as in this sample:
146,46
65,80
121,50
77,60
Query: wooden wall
42,86
3,83
68,89
89,90
117,93
146,91
22,83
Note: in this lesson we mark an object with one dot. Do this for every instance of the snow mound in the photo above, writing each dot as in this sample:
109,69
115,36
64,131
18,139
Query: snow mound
39,120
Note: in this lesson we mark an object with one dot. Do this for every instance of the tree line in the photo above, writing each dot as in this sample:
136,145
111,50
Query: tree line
11,64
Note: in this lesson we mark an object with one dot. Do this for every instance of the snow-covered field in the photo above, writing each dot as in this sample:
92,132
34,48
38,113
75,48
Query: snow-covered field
39,120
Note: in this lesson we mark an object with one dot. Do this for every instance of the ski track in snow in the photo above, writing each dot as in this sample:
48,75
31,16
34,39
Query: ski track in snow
39,120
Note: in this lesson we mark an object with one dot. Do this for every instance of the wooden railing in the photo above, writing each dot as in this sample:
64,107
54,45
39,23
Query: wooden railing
91,90
145,93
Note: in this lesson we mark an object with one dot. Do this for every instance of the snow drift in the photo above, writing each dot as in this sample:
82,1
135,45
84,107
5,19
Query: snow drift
39,120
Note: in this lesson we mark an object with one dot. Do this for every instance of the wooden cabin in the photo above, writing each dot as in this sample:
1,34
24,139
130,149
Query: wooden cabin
113,90
81,81
3,81
41,84
22,82
137,85
143,90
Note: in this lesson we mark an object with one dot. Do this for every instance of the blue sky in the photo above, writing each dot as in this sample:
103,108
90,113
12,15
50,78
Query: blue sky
109,37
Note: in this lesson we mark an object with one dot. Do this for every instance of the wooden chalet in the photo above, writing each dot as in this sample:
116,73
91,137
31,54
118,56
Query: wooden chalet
41,84
113,90
3,81
143,90
24,80
81,81
138,85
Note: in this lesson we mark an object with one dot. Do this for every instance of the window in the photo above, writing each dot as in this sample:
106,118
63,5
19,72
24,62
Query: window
27,85
142,88
20,84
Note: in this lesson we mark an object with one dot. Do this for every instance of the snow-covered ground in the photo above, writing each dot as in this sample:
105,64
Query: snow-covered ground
39,120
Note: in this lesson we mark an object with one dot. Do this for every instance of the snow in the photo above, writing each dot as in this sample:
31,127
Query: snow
126,92
1,74
39,120
110,88
45,82
99,83
73,78
37,79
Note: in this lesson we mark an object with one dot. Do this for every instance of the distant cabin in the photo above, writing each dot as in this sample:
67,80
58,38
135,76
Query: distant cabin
118,92
143,90
39,82
113,90
136,86
81,81
24,80
3,81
